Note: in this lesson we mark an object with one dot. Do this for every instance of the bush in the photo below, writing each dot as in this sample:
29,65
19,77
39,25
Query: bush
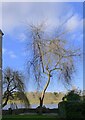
41,110
72,95
72,109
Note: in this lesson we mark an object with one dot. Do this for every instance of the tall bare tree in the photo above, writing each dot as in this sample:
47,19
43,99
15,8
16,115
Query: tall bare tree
51,56
13,83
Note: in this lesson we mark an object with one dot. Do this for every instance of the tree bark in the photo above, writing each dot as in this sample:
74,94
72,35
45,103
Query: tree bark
5,103
44,90
41,102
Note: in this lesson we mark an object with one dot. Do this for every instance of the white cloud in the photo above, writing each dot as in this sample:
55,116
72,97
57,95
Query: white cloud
18,14
22,37
14,15
74,22
4,50
12,54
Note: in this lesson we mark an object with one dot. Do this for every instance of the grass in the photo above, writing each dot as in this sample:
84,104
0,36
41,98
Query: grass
29,117
37,117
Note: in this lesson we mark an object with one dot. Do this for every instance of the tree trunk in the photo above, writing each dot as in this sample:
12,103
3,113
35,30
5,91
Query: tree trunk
41,102
44,90
5,103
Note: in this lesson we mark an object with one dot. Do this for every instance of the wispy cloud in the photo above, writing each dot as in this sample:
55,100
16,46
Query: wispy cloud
22,37
9,53
12,54
4,50
18,14
74,22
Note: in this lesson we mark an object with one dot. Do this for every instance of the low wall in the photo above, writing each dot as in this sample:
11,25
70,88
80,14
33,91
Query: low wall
24,110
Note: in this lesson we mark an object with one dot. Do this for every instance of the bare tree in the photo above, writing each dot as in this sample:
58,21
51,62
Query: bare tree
50,57
13,84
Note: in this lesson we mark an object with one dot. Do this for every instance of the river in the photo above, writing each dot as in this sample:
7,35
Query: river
51,106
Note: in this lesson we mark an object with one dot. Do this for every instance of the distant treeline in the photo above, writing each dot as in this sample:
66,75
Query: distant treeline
50,97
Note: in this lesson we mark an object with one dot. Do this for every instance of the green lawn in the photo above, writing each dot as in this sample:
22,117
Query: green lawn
30,117
37,117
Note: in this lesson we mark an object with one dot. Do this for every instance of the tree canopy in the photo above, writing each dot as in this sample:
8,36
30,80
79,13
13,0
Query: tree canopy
50,57
13,83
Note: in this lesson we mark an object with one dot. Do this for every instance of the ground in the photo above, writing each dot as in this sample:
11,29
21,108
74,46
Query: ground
29,117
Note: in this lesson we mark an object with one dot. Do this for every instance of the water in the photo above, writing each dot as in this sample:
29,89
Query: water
51,106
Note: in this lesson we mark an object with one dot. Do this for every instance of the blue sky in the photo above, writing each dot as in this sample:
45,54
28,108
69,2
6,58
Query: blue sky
17,16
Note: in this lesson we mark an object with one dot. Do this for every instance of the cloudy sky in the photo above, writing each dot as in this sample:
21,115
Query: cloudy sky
15,20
